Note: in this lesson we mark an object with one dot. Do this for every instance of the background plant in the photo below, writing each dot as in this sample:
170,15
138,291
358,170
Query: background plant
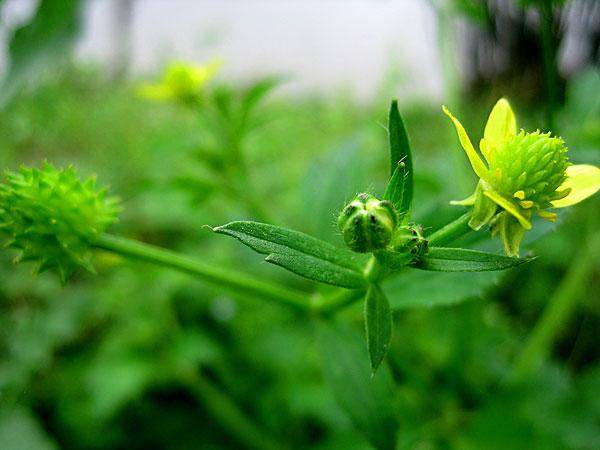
63,349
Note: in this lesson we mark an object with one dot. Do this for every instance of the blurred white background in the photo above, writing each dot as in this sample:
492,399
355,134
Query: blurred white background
323,44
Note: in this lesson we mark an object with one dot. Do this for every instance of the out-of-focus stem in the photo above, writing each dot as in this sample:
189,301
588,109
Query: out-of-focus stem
549,62
337,301
446,39
229,416
232,280
557,313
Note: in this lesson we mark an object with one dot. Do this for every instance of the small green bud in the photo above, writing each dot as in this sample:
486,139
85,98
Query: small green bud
367,223
410,239
52,217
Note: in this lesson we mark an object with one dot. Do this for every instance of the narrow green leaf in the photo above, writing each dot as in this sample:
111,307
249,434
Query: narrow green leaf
258,91
400,186
252,97
441,259
299,253
317,269
378,322
394,192
366,398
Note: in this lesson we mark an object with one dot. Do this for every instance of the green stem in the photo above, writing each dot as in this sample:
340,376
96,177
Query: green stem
549,62
230,417
375,271
451,231
557,313
234,281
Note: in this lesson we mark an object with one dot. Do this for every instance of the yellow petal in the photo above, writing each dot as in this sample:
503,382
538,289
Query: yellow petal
501,125
486,150
583,180
476,162
510,207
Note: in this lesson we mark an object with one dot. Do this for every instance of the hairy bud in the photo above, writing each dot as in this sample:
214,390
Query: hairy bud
367,223
410,239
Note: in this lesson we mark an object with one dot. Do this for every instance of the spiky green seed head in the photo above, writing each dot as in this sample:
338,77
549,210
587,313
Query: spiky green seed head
530,167
52,217
367,223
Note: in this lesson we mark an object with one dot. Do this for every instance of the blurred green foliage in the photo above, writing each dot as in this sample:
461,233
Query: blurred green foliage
126,359
145,358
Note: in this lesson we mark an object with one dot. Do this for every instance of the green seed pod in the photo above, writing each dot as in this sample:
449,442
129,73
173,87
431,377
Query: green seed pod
52,217
367,223
530,167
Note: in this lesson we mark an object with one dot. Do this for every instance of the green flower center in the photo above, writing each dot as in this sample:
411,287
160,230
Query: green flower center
530,167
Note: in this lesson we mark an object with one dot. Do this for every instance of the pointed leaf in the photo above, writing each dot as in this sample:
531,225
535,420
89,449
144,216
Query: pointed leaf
441,259
394,192
366,398
378,321
401,185
299,253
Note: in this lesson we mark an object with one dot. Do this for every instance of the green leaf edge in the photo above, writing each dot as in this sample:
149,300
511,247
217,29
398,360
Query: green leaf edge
400,151
437,260
378,325
338,263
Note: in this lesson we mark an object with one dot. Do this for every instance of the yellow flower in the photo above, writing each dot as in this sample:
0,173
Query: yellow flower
181,82
521,173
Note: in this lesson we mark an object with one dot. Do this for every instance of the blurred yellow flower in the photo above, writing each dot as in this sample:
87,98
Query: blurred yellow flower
522,173
181,82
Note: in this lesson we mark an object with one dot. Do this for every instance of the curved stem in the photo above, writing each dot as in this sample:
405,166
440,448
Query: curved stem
234,281
451,231
558,312
230,417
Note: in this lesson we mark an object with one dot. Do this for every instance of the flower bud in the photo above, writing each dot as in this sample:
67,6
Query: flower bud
367,223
